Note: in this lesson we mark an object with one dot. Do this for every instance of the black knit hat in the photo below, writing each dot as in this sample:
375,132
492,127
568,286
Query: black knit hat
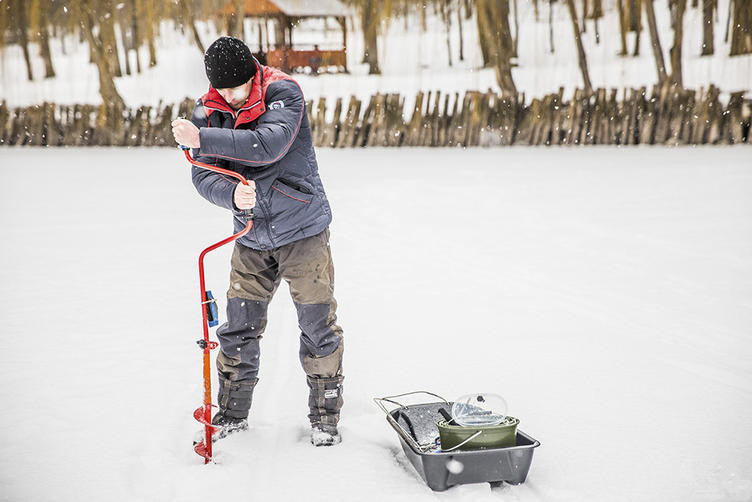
228,63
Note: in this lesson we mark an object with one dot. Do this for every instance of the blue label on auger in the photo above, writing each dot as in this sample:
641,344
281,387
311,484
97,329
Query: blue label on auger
212,314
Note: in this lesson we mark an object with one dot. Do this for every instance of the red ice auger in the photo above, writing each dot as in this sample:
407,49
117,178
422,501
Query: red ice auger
210,317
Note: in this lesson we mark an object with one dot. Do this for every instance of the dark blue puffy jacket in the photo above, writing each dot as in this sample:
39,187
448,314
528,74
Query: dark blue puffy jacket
268,140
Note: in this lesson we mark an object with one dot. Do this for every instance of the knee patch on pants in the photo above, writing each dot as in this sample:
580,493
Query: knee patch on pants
323,366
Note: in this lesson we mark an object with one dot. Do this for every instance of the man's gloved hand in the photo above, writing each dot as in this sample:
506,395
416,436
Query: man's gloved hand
245,195
186,133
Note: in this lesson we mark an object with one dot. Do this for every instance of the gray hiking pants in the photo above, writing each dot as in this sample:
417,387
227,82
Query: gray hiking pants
307,267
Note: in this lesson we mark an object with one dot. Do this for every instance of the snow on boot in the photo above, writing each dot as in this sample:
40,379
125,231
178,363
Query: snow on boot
227,425
325,435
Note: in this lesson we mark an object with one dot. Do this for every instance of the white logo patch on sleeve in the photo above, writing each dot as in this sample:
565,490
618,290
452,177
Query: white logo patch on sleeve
276,105
331,393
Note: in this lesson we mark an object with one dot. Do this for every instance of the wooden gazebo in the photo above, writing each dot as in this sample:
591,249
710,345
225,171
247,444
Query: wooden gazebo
285,14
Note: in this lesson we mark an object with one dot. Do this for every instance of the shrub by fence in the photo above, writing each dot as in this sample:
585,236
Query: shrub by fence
665,115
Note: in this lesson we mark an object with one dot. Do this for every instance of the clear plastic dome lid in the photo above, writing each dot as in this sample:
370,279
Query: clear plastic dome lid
479,410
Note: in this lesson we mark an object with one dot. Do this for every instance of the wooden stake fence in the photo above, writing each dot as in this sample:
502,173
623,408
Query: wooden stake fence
662,116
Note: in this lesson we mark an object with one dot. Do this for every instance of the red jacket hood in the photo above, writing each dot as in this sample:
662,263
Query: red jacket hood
254,106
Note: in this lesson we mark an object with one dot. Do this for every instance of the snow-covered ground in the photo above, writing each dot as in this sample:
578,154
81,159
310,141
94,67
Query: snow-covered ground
411,60
605,292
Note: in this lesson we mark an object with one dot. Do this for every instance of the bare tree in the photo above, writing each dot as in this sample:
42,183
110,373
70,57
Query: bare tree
148,21
371,20
551,25
678,8
446,16
493,20
741,34
125,15
596,15
107,35
136,33
708,8
483,40
635,24
655,41
516,29
459,27
582,60
187,18
40,25
235,27
21,26
107,89
622,27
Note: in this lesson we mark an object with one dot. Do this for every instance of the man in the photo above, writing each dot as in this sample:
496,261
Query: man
253,121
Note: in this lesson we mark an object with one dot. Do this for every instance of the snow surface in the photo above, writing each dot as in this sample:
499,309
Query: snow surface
604,292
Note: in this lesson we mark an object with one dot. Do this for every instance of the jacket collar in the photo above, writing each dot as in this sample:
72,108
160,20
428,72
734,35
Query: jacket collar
252,108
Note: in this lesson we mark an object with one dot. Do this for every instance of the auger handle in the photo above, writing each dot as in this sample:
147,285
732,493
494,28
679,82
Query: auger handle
247,213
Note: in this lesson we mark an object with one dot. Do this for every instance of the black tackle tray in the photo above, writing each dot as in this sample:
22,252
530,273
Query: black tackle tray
416,426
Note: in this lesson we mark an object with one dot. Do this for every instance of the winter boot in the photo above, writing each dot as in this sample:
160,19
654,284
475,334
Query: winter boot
325,435
234,402
325,402
227,425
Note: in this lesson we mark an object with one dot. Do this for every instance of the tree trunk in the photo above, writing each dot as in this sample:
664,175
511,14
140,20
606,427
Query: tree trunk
23,38
482,20
622,27
655,41
44,38
582,60
741,33
495,13
446,16
138,13
516,30
677,22
597,14
107,35
279,33
370,33
708,6
584,15
501,12
5,14
459,27
149,22
238,27
185,9
638,29
728,20
107,89
126,51
551,24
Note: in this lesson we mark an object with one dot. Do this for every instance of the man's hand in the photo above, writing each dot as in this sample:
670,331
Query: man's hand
186,133
245,195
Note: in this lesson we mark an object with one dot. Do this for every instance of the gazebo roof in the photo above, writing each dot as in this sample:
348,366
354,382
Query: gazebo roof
295,8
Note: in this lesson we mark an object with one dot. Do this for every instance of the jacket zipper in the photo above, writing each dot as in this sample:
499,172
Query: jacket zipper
231,111
260,205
